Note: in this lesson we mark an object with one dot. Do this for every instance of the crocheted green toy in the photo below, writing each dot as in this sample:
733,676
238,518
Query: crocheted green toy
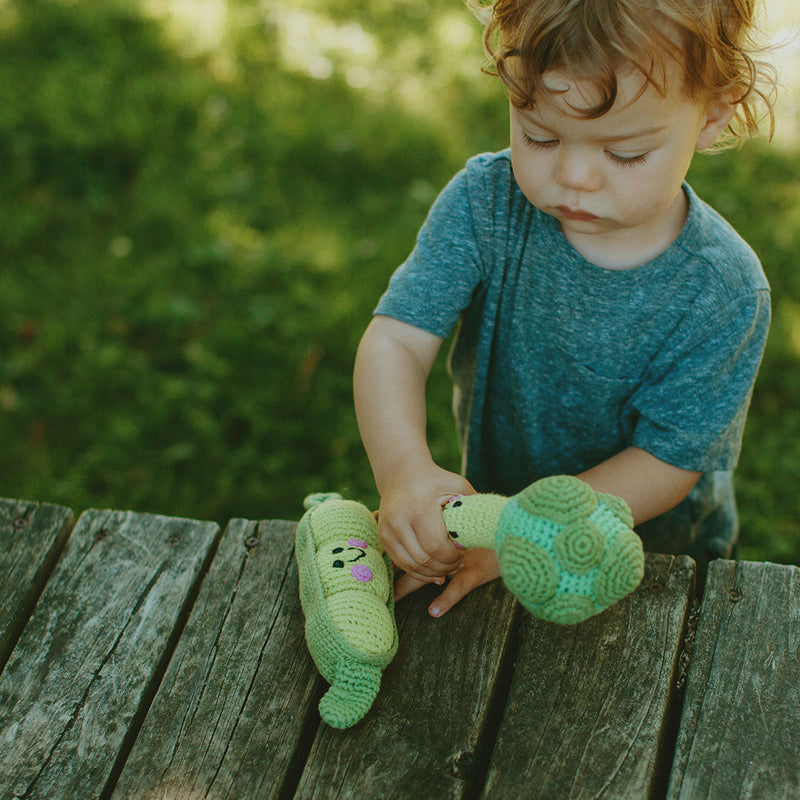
347,597
565,551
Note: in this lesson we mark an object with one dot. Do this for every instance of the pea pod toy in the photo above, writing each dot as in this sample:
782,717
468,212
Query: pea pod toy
565,551
347,597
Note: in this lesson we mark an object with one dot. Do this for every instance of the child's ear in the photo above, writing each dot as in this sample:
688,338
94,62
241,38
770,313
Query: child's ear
718,115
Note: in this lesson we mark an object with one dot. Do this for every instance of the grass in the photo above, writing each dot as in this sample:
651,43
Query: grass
193,244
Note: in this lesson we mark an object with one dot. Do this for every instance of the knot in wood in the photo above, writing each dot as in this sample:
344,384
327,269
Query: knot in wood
251,541
735,595
460,765
101,535
19,522
655,587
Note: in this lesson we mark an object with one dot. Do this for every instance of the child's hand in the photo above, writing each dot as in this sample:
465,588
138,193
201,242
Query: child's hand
410,522
476,567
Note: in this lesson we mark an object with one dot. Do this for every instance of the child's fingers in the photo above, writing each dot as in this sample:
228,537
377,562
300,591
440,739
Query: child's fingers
408,583
405,561
435,543
476,568
407,553
461,584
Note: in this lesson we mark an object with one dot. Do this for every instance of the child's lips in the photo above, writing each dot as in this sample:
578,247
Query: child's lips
576,214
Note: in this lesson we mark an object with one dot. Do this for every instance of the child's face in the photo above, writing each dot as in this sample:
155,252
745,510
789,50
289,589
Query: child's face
614,183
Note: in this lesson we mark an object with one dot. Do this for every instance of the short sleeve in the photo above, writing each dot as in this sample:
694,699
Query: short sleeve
692,405
438,280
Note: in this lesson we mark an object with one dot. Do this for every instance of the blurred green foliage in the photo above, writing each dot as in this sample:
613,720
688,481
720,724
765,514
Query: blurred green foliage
193,242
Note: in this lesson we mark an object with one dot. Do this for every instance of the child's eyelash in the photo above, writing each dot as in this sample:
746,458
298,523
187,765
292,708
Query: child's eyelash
623,161
628,161
539,144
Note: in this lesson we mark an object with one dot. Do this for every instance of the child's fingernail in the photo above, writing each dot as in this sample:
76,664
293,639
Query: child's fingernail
435,611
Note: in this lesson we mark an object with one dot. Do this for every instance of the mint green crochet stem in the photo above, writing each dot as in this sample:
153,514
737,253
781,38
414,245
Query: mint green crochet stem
472,520
351,694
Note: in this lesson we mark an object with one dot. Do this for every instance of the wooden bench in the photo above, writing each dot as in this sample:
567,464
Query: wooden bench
149,657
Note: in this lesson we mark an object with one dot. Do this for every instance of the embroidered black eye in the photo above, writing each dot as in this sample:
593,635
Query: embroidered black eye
338,564
337,550
456,504
453,534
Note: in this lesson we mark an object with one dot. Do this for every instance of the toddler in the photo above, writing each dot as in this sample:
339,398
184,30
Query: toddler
610,324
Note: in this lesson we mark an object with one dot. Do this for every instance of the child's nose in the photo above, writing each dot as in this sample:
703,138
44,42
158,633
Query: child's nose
576,170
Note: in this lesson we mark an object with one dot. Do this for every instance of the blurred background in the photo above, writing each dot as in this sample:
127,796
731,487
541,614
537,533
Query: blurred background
202,201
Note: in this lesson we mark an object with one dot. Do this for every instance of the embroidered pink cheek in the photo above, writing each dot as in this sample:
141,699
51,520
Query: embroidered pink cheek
459,546
357,543
361,573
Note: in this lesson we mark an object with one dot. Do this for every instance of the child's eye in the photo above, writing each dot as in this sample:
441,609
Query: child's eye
627,161
539,144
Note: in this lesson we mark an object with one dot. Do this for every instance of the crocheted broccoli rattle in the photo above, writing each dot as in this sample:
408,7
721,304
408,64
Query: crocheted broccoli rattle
565,551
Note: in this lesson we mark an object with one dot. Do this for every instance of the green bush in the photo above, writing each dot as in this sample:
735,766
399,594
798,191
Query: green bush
191,252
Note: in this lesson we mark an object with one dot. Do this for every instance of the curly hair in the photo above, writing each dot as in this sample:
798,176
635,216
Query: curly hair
713,41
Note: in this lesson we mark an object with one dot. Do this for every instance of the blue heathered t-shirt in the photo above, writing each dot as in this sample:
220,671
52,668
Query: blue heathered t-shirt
559,364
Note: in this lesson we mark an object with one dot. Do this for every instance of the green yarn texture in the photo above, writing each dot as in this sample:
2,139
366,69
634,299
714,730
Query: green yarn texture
347,598
565,551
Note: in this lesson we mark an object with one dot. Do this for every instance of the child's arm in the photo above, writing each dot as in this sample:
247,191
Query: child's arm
648,485
392,367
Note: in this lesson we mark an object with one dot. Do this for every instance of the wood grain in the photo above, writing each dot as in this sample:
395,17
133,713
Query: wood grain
237,705
84,668
151,661
430,730
32,537
592,706
740,729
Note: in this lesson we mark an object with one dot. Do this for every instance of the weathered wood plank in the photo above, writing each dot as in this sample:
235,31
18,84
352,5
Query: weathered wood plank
591,706
32,537
86,665
237,704
740,728
429,732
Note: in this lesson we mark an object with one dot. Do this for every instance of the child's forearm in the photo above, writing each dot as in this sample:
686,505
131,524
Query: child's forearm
648,485
391,370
